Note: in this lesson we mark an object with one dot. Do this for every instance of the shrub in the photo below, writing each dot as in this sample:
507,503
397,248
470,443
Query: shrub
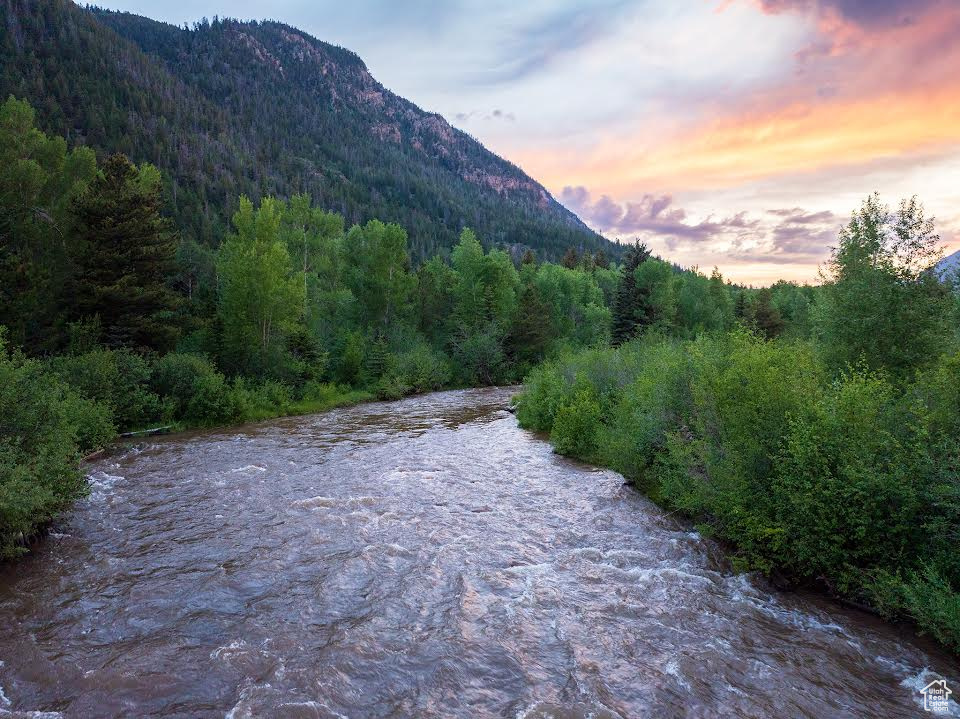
420,369
175,378
576,426
40,422
655,403
117,379
215,401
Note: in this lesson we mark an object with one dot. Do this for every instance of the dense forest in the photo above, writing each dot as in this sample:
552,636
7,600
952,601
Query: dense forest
231,108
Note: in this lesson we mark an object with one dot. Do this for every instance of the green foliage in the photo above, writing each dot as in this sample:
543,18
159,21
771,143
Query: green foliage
631,310
882,303
117,380
124,252
576,425
175,378
851,482
377,274
216,402
43,428
420,369
261,296
39,179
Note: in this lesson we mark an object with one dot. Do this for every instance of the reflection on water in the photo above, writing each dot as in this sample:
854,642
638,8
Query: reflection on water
424,558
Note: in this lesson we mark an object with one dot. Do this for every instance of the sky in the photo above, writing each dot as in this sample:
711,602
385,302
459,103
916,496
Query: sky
739,134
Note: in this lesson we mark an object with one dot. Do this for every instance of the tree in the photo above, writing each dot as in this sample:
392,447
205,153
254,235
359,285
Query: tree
723,310
600,260
764,316
631,305
529,258
740,306
530,334
881,303
310,235
436,286
378,274
39,179
260,294
570,258
125,254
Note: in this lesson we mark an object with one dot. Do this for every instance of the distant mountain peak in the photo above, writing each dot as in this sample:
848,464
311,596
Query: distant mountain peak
949,266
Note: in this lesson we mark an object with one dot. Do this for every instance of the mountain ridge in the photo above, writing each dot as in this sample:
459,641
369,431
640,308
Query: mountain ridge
259,107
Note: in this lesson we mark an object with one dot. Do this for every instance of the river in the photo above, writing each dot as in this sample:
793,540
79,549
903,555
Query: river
421,558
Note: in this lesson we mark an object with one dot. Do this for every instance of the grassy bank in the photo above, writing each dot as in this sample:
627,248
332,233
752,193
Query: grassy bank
847,481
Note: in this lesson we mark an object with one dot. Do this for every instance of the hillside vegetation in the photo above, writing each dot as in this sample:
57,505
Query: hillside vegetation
262,109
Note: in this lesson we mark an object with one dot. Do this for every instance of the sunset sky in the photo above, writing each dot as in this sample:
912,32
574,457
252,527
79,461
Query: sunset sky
735,133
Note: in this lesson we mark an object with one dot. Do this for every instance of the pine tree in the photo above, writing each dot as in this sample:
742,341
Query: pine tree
600,260
764,316
529,258
531,331
631,306
570,258
125,253
740,306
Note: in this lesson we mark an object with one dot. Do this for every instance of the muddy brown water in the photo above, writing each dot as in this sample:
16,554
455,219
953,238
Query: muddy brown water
423,558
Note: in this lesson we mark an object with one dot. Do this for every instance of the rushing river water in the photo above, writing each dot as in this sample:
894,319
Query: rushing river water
423,558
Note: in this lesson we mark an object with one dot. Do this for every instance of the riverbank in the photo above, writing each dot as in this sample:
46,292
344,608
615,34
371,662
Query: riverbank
846,482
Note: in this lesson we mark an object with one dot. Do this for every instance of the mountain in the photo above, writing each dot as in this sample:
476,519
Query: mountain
949,266
232,107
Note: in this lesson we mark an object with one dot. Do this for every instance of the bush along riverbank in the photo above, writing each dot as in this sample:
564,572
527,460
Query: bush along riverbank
848,481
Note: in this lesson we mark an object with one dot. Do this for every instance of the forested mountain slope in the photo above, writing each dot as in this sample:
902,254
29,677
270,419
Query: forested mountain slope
261,108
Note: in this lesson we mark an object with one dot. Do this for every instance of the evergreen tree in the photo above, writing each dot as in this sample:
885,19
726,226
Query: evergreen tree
723,310
740,307
600,260
530,334
570,258
124,255
631,309
529,258
764,317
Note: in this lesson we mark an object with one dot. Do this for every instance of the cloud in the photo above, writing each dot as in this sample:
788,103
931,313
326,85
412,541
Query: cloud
495,114
809,234
780,235
866,13
565,29
652,215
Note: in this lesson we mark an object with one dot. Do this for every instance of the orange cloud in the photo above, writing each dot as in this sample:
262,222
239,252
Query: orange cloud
739,149
861,91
